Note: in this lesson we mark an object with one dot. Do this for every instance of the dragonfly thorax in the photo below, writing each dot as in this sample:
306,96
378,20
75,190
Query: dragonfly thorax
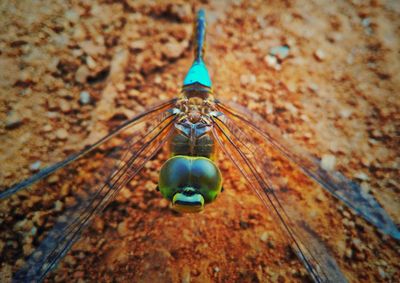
192,138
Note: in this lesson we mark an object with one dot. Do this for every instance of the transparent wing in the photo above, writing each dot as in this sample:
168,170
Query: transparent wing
254,162
150,114
334,182
143,140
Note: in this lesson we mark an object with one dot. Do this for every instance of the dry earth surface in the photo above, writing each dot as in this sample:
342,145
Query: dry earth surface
73,70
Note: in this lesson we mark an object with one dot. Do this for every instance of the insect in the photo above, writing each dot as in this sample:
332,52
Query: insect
193,126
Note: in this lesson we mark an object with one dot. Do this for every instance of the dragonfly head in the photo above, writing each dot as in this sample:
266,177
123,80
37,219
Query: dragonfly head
189,182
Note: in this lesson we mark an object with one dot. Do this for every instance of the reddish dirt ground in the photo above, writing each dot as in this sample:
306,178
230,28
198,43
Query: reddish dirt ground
336,93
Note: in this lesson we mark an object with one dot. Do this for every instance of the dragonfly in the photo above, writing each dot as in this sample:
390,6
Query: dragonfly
194,127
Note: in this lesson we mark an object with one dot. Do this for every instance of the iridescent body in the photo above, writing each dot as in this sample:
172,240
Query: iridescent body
190,179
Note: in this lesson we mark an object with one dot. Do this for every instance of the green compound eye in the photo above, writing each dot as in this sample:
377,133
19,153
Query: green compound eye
189,182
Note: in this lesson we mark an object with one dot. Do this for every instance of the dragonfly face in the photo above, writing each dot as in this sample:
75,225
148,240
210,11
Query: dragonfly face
190,182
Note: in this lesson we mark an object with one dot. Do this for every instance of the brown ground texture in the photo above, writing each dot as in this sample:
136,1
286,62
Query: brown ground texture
336,94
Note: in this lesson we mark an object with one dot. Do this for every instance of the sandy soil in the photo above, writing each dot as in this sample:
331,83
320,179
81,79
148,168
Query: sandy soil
70,72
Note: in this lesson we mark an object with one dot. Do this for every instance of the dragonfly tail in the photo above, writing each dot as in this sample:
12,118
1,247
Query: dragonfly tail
198,73
200,35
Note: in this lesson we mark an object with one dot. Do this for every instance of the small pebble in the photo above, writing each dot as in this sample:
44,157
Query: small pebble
382,273
122,228
320,197
291,108
47,128
13,120
360,256
53,179
84,97
25,91
158,80
172,50
357,243
6,271
272,62
266,86
33,231
92,48
383,263
98,224
163,203
138,45
186,276
349,253
72,16
63,93
361,176
365,188
70,260
120,87
247,79
64,105
269,109
348,223
79,34
61,134
281,52
182,11
81,74
376,133
264,236
27,249
345,113
319,55
35,166
346,214
58,205
328,162
313,86
366,22
91,62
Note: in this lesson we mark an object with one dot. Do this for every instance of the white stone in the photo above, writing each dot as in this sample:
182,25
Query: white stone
328,162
